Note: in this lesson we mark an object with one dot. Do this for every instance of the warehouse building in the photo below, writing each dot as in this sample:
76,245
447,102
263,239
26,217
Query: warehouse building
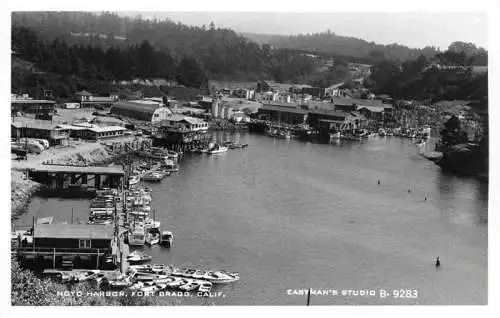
145,110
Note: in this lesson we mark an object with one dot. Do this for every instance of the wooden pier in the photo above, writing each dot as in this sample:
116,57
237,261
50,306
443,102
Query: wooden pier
67,177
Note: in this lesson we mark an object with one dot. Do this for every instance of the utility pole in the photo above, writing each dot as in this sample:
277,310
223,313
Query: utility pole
308,296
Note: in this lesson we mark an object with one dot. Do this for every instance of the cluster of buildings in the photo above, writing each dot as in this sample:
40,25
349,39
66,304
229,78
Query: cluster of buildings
336,113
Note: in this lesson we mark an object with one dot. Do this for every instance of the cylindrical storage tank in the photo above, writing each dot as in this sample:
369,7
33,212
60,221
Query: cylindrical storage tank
229,113
215,108
222,112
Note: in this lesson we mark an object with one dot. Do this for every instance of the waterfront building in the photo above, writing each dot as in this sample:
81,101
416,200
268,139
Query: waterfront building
82,179
283,113
55,135
92,132
70,245
372,112
324,118
180,131
144,110
25,104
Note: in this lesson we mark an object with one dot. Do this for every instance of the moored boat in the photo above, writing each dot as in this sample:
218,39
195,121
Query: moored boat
217,149
166,238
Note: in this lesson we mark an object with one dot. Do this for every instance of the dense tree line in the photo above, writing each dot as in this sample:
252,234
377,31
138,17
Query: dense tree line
95,63
422,79
220,52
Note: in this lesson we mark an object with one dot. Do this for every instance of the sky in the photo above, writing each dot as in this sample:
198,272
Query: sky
413,29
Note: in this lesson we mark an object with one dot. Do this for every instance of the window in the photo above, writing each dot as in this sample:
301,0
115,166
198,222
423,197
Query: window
84,244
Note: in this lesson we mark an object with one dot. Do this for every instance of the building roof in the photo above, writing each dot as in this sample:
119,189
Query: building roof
354,101
107,119
79,169
286,109
142,110
100,129
34,124
330,112
373,109
190,120
32,101
74,231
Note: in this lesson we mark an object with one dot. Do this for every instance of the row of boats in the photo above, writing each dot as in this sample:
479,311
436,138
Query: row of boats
156,277
215,148
103,207
152,278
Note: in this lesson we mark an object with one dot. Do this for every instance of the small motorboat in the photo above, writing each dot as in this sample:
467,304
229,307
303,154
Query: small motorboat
149,277
136,257
189,273
154,176
172,155
191,285
144,268
221,277
199,274
166,238
158,268
119,283
165,281
217,149
205,286
178,281
178,271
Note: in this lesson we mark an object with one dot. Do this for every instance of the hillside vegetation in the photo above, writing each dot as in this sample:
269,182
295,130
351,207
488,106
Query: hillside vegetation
368,52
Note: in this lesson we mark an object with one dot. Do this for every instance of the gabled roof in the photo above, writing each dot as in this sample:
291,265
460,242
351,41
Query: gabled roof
73,231
83,93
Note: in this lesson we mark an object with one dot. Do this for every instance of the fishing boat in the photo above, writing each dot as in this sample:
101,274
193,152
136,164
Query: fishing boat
152,238
137,257
138,235
217,149
166,238
170,166
205,287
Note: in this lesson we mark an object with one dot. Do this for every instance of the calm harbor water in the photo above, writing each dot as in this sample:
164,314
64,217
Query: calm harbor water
297,215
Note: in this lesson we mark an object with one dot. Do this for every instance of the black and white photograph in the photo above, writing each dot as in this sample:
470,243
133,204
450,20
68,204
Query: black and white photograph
247,158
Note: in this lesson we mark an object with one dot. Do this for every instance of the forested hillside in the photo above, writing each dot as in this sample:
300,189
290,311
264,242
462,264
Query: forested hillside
451,79
331,43
221,52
